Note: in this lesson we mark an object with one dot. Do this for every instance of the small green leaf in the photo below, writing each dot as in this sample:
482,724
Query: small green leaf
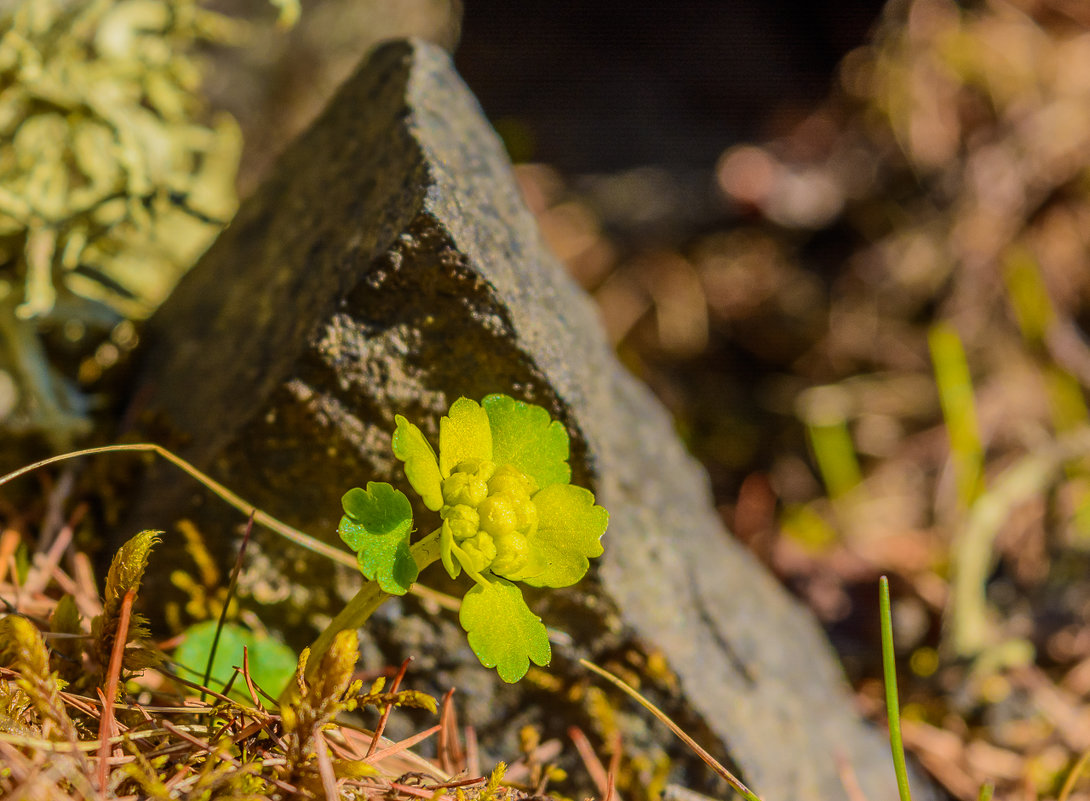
568,532
271,662
421,467
376,525
502,630
464,435
524,436
380,509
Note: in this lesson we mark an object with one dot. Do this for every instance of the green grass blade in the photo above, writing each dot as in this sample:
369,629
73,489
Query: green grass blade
893,706
958,409
825,410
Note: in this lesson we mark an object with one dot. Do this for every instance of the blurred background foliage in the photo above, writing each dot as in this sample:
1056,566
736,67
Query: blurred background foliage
114,178
879,351
845,244
870,325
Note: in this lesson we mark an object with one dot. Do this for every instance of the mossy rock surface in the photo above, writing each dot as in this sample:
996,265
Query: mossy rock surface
389,265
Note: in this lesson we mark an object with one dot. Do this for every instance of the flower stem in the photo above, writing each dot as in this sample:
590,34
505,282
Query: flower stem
366,601
463,559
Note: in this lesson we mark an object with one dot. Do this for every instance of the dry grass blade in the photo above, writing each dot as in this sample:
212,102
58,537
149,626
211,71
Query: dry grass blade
452,757
400,746
267,520
591,762
9,544
708,759
219,755
848,780
290,533
232,588
1073,777
473,752
242,752
614,768
419,792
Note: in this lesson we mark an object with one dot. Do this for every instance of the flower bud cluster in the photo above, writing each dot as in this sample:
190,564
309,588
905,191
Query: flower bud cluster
487,513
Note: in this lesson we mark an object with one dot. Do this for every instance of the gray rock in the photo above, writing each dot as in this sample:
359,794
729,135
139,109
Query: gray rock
389,265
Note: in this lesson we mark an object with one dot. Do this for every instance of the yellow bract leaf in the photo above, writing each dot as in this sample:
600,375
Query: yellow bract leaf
464,436
421,467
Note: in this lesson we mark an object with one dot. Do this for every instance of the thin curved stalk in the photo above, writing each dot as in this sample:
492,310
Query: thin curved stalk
232,499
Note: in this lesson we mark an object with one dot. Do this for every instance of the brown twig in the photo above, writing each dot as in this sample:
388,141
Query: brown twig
107,727
460,783
386,712
46,565
249,681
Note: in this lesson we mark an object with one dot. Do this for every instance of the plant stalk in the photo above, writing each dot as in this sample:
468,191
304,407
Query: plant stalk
363,604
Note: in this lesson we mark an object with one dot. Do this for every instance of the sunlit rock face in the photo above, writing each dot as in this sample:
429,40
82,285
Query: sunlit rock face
387,266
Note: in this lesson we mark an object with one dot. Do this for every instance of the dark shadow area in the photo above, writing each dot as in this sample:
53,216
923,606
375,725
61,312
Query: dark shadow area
591,87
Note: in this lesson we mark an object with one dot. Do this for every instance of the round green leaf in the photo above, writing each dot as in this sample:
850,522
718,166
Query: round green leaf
569,528
377,525
502,630
524,436
464,435
380,509
271,662
421,468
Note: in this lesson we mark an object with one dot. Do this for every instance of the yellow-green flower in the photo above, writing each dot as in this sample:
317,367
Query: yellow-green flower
502,487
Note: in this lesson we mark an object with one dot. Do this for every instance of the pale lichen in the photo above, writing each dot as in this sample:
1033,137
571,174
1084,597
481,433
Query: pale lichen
113,178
